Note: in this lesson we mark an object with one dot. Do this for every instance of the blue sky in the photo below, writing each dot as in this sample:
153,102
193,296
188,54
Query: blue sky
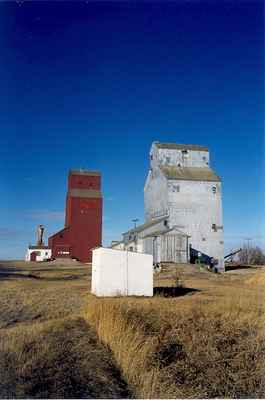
93,84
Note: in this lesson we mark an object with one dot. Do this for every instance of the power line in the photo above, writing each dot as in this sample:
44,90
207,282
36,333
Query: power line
244,237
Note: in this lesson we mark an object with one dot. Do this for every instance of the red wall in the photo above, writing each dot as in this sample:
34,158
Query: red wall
61,242
86,223
83,220
84,182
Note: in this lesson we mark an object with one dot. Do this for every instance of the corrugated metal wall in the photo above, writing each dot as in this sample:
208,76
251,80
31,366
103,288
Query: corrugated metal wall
167,248
173,248
148,245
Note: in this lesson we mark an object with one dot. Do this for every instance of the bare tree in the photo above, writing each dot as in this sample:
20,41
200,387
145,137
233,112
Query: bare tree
252,256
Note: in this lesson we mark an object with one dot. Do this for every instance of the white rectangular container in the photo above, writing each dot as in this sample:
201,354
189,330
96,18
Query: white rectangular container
121,273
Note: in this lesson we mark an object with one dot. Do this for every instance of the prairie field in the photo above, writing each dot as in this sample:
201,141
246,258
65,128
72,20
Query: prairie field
201,335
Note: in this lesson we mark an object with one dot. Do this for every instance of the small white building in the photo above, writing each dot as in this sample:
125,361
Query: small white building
182,186
121,273
38,253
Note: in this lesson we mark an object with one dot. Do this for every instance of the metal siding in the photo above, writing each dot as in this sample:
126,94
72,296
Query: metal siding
195,207
190,173
173,248
84,182
83,219
148,245
62,251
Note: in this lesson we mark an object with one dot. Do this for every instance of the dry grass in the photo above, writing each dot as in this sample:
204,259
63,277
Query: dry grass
47,349
256,280
40,294
207,344
56,359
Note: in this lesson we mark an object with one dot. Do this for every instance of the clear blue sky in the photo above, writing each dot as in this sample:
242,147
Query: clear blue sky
93,84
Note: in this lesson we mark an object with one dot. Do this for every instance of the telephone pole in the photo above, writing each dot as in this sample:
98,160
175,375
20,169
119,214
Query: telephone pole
248,248
135,221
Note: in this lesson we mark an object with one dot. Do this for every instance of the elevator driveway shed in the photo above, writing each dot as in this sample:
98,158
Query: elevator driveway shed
156,238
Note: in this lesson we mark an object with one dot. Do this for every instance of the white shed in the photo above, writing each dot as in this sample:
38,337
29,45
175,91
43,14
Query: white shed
121,273
38,253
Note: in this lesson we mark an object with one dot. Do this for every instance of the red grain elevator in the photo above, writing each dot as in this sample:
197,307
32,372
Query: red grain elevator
83,218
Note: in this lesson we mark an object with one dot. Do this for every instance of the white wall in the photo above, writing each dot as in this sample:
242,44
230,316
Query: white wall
155,190
194,209
155,195
189,159
121,273
193,158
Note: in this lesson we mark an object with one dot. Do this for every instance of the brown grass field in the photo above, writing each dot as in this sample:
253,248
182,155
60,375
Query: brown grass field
202,335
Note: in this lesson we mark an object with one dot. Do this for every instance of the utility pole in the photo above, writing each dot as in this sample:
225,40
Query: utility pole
135,220
248,247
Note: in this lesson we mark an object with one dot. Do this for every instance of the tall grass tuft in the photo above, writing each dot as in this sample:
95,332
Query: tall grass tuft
125,331
214,349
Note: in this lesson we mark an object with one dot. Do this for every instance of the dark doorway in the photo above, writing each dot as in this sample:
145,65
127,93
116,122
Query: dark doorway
33,256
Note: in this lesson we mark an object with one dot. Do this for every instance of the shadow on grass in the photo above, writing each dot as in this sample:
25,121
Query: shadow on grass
51,269
238,267
16,275
63,278
5,268
10,272
171,291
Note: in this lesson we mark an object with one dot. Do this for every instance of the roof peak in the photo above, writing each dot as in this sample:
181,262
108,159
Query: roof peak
82,171
147,224
177,146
